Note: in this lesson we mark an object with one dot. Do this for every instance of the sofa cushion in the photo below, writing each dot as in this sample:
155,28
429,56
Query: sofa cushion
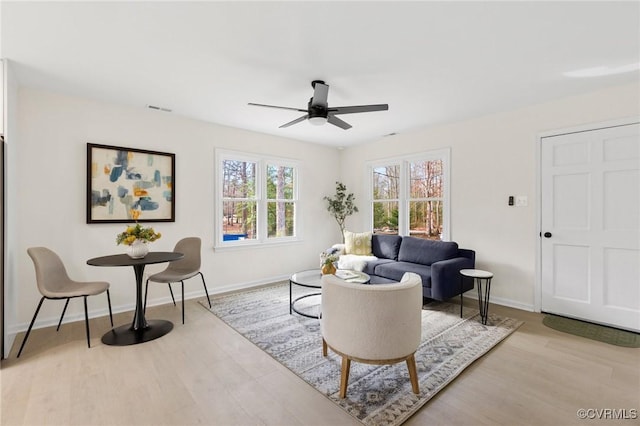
370,267
357,243
386,246
395,270
426,252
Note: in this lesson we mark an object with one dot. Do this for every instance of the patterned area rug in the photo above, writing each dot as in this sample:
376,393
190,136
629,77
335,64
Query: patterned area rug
376,395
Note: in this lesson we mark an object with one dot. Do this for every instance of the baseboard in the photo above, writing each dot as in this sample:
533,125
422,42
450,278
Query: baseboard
248,285
53,321
504,302
130,307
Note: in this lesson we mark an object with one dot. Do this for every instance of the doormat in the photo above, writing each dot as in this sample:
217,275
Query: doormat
601,333
377,394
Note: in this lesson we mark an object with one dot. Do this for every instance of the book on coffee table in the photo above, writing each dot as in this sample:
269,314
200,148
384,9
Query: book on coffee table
346,275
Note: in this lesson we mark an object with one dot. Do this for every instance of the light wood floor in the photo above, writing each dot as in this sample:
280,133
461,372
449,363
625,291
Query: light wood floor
203,372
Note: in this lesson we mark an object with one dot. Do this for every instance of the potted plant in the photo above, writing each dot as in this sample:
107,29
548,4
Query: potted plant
342,206
136,238
327,260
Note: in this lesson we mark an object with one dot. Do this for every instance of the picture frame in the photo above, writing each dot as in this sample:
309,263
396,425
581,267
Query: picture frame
129,185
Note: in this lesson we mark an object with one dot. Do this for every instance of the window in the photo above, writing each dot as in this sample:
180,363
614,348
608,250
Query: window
239,200
386,198
280,202
409,196
258,199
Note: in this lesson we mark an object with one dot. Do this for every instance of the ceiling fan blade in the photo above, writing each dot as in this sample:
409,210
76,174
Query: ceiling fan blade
296,121
359,108
320,94
279,107
337,122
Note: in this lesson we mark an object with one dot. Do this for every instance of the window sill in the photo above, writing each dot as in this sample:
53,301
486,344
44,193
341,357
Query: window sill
252,245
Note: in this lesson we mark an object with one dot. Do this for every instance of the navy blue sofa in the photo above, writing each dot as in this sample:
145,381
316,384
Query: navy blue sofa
437,262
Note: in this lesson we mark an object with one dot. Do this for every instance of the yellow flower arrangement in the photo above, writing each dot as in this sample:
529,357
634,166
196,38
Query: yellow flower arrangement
137,232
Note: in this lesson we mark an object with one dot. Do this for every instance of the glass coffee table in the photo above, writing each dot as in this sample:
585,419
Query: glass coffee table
313,279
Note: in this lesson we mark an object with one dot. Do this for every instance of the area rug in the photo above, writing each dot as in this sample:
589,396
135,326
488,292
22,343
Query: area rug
376,395
601,333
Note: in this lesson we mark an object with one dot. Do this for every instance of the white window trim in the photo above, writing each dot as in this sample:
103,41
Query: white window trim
261,200
403,205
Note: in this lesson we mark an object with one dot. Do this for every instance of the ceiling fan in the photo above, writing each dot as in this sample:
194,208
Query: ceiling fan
318,111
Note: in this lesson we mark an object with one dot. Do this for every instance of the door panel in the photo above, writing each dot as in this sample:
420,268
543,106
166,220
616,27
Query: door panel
571,201
570,275
590,209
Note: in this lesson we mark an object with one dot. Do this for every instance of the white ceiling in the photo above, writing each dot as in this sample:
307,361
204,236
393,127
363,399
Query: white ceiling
432,62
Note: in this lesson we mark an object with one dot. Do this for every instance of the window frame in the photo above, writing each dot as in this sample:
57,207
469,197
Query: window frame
404,194
262,162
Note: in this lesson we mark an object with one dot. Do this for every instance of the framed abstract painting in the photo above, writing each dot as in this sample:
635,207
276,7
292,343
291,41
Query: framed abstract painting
127,183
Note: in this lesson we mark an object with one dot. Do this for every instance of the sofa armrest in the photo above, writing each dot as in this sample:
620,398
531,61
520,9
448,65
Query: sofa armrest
446,279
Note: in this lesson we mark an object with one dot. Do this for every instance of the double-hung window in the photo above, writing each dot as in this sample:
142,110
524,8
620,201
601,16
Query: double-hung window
410,195
257,199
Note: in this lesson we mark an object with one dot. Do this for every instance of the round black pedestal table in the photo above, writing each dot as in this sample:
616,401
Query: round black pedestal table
140,330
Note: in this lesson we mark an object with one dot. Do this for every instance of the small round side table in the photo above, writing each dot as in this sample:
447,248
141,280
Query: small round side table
481,276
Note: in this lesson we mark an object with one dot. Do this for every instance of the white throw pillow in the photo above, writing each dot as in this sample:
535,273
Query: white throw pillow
355,262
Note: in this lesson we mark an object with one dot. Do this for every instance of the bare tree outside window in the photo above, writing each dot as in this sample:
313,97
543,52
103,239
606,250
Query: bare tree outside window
280,201
425,199
409,196
386,195
239,200
258,199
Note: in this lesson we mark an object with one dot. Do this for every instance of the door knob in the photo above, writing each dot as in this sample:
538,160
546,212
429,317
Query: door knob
547,234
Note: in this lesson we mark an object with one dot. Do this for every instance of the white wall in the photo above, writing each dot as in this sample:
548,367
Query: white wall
50,202
493,157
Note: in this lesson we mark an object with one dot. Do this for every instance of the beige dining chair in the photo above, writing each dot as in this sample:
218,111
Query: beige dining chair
180,270
54,283
374,324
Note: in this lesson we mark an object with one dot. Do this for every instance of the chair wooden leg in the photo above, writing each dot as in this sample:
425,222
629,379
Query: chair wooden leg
110,312
413,373
182,286
26,336
86,322
205,289
324,348
344,376
63,311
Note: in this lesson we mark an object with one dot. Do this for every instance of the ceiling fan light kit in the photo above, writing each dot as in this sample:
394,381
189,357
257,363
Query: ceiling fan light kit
318,111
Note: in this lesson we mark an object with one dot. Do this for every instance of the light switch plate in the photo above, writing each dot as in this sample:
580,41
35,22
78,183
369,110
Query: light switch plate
522,201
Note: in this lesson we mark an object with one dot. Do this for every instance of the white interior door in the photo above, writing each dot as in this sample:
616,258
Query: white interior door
590,222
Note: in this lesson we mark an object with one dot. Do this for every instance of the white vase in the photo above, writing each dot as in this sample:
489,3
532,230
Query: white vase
138,249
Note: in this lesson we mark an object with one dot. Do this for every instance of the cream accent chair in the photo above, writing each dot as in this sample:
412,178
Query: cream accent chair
373,324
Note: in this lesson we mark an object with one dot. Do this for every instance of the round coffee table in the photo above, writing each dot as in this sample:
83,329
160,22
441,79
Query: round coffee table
313,279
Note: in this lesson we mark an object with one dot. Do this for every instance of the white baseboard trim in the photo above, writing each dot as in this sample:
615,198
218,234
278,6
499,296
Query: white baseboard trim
504,302
130,307
51,321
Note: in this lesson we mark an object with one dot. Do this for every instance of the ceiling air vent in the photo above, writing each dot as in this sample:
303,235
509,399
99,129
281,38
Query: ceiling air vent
157,108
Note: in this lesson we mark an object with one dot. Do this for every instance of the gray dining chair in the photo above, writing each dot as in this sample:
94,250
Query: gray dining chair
54,283
180,270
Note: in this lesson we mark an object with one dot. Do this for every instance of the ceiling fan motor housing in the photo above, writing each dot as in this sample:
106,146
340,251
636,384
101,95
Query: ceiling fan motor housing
317,110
